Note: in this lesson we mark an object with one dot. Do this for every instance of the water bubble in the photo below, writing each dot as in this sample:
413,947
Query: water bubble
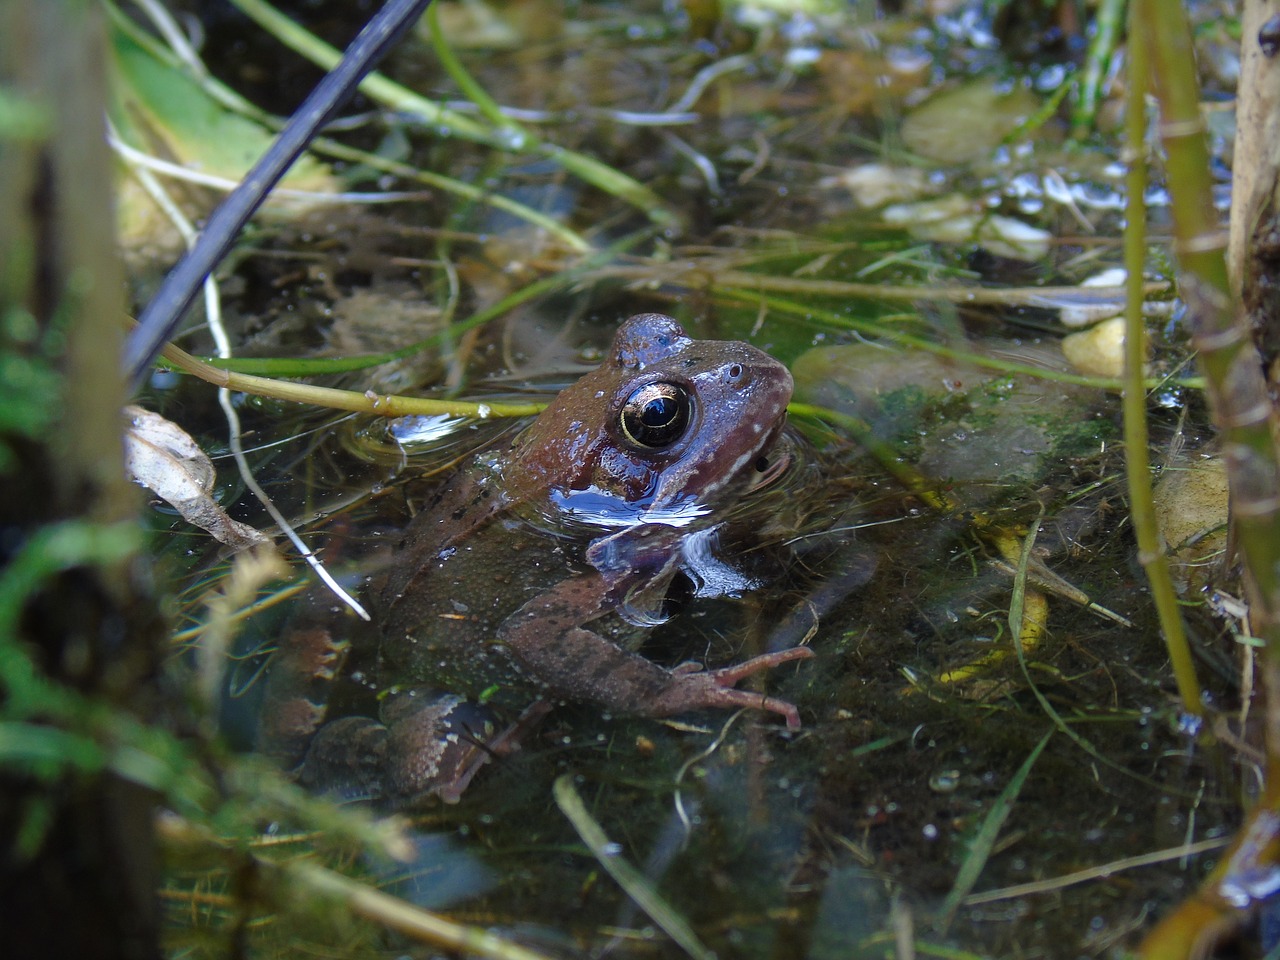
513,139
1051,78
944,781
165,379
1189,724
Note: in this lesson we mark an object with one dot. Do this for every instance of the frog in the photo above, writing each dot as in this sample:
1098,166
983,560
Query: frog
535,575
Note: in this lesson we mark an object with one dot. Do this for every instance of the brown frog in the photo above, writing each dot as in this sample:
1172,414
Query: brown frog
535,574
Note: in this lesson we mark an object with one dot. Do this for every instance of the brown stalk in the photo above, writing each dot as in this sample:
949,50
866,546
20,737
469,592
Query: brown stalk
1242,410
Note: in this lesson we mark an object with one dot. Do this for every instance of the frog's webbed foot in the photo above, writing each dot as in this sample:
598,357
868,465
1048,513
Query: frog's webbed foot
430,745
437,744
716,688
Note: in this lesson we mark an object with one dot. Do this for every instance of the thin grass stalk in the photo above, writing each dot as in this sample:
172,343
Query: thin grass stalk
509,131
701,274
1101,49
393,913
1238,395
1137,460
805,312
381,90
373,404
1228,358
375,86
323,146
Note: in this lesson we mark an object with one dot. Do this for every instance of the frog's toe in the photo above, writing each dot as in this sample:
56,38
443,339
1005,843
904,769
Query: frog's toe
773,705
730,697
730,675
686,668
786,709
692,688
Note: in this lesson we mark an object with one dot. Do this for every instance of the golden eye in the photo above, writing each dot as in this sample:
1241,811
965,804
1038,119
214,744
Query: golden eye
655,415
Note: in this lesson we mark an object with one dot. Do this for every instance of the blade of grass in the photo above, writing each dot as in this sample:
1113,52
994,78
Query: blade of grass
872,328
376,86
1137,463
510,132
979,848
1096,66
1237,390
400,915
1102,871
458,188
697,274
1024,604
628,877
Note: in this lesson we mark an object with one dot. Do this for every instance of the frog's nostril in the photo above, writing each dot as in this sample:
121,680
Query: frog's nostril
762,464
735,371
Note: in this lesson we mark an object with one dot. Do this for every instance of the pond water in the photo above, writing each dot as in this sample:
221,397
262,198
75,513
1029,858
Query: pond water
892,205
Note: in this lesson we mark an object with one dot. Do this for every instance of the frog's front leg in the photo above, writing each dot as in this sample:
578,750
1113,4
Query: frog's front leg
546,639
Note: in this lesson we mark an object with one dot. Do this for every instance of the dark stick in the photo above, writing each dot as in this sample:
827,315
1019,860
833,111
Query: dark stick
162,315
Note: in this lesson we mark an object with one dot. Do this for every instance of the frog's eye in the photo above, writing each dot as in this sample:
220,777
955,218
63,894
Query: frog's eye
655,415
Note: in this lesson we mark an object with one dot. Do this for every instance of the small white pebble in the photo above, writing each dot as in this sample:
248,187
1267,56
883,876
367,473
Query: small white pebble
1085,314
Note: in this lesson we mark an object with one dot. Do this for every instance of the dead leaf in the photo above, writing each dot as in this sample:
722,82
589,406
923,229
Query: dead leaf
162,457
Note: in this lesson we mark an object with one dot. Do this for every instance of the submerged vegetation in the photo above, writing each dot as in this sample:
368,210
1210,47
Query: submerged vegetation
1027,726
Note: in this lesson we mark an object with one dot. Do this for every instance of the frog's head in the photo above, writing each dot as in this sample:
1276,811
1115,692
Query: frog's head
666,422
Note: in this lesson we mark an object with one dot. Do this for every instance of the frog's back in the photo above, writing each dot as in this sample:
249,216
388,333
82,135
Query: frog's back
441,626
